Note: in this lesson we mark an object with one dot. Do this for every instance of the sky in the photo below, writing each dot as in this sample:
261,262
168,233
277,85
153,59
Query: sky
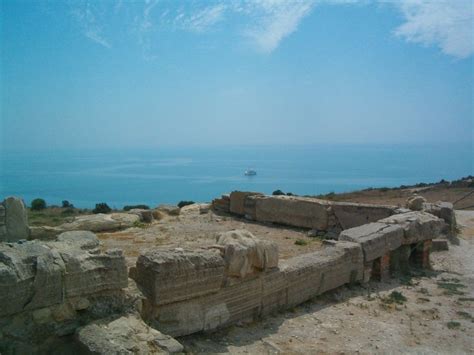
104,74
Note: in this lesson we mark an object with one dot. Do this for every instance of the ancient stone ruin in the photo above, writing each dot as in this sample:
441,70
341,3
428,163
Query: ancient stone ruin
70,292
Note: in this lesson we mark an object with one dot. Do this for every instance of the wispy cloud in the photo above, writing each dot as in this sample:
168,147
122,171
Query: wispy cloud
202,19
90,26
448,24
274,20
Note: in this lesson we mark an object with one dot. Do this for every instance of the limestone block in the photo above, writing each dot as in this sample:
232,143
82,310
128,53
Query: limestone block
125,335
376,239
30,277
16,219
311,274
237,201
101,222
44,232
170,276
415,202
417,226
245,254
351,215
239,302
443,210
293,211
274,292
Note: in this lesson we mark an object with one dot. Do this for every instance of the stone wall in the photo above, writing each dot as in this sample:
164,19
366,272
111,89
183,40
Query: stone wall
181,305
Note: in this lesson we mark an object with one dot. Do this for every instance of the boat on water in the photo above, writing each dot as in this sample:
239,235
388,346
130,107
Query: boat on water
250,172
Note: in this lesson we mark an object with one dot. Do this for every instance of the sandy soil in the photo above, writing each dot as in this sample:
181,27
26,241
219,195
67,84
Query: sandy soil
194,230
437,316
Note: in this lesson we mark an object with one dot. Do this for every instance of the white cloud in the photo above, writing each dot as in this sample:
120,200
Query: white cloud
275,20
448,24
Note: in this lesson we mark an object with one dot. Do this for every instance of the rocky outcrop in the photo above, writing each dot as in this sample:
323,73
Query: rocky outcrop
13,220
125,335
244,254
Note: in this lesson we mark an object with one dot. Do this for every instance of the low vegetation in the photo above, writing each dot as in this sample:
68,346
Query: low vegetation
101,208
301,242
394,297
38,204
185,203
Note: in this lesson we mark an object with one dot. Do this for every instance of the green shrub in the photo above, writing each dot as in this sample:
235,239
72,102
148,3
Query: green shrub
278,193
101,208
38,204
132,207
68,211
67,204
301,242
185,203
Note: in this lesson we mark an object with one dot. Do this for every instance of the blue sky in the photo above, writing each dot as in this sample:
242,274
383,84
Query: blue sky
98,74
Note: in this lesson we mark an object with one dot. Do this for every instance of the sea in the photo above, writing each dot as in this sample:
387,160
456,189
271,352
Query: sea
167,175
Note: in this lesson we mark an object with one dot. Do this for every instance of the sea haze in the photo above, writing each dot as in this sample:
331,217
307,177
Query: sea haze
168,175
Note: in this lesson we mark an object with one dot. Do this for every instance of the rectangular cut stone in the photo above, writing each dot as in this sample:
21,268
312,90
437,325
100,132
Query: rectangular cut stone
293,211
417,226
239,302
351,215
237,201
172,276
376,239
274,294
311,274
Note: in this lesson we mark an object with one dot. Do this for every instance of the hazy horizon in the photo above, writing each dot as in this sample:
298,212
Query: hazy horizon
99,75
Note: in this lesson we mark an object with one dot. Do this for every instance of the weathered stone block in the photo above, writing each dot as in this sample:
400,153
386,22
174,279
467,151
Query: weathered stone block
237,201
293,211
351,215
245,254
239,302
16,220
172,276
376,239
417,226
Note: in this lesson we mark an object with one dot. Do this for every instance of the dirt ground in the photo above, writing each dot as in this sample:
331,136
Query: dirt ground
194,230
436,317
399,196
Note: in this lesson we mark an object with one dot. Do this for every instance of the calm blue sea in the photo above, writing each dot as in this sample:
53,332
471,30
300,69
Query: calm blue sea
154,176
